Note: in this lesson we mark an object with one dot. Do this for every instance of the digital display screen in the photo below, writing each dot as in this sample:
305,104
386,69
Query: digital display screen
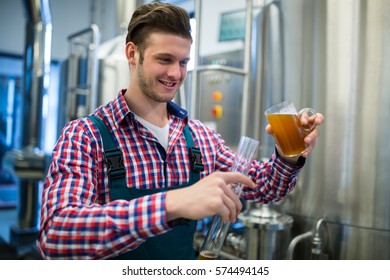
232,26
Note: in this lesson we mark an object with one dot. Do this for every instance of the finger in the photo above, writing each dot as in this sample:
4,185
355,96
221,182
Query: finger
304,118
235,199
233,206
268,129
238,178
319,119
232,200
224,213
307,120
307,151
312,136
316,119
309,148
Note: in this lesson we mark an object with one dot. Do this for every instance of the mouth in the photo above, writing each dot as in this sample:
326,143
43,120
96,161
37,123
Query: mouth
168,84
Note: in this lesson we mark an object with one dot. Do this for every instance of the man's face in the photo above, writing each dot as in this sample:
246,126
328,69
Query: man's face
164,66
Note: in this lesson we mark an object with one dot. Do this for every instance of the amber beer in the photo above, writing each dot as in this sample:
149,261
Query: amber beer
207,255
288,133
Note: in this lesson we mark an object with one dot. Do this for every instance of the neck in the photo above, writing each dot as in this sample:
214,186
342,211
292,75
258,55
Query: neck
152,111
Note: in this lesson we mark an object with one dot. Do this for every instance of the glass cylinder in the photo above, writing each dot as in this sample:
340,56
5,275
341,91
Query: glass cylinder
216,235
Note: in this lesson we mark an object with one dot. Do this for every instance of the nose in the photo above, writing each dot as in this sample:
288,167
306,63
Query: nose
176,71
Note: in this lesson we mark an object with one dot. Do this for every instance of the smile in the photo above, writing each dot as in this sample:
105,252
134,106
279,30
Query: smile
168,84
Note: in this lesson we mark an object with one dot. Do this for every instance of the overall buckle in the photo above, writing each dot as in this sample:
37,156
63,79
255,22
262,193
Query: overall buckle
114,161
196,159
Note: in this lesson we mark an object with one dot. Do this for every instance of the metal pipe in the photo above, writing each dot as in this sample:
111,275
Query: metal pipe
29,163
36,68
236,242
247,67
272,18
316,243
194,84
295,241
83,46
93,67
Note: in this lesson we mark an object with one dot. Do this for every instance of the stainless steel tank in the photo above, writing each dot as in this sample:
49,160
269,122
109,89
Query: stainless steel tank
333,56
336,58
267,232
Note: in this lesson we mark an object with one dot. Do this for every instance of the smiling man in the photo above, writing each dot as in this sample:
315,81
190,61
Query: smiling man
131,180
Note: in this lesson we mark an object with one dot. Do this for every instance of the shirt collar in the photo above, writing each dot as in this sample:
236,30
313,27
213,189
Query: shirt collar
176,110
122,110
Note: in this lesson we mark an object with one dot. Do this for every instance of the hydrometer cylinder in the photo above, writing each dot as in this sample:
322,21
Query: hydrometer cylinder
216,235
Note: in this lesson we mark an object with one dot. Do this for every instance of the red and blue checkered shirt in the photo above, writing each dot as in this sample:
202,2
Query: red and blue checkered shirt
78,220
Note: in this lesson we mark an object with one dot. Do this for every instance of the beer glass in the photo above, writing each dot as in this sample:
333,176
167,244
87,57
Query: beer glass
216,235
287,129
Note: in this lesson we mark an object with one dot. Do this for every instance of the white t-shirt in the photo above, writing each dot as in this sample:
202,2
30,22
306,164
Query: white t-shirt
161,133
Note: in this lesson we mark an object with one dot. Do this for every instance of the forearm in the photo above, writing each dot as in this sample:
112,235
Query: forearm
275,179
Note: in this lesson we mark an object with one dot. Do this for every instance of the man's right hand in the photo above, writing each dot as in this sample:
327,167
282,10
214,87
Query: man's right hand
209,196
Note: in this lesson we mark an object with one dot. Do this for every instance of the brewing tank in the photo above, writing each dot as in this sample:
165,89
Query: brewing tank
267,232
335,58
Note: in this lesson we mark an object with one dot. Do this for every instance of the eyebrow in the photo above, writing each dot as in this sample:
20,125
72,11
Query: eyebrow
171,56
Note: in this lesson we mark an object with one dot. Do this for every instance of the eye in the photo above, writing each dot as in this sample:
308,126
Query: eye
165,60
184,63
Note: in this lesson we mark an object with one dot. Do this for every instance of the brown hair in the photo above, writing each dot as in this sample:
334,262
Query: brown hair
157,17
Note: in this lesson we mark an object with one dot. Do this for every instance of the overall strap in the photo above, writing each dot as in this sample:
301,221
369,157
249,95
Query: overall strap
112,155
195,156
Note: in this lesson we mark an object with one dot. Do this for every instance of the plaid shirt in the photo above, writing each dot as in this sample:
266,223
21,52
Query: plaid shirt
78,220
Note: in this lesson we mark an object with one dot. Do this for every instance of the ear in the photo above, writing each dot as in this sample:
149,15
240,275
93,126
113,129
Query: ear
131,53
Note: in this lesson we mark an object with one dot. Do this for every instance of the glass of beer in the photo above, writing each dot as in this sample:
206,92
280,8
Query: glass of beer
218,230
287,129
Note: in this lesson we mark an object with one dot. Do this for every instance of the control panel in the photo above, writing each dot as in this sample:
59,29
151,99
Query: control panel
220,103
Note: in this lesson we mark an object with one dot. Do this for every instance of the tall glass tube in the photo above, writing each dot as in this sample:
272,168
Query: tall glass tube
216,235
